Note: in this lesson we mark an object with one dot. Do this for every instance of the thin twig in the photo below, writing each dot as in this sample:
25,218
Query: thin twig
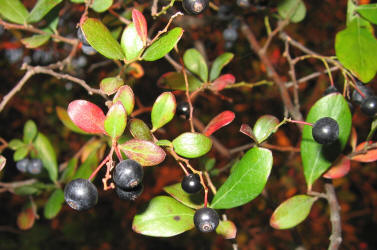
336,227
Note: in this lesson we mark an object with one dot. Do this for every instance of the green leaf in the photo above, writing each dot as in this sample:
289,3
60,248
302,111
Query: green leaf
41,8
116,120
110,85
163,45
163,110
192,145
88,166
54,204
100,38
317,158
69,171
190,200
64,118
131,42
125,95
246,181
176,81
356,49
31,189
14,11
368,11
140,130
220,62
35,41
78,1
373,128
164,143
101,5
21,153
47,155
227,229
30,131
264,127
295,10
164,217
195,62
292,211
146,153
15,144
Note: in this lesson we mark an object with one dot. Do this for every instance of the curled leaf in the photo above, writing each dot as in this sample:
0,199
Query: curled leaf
369,156
340,168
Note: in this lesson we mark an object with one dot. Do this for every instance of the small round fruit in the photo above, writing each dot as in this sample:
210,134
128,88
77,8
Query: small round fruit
206,219
195,7
367,91
35,166
191,183
128,174
331,89
369,105
325,130
22,165
88,50
80,194
230,34
183,108
81,37
129,194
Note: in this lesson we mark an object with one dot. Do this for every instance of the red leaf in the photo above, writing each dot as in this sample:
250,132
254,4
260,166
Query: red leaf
369,156
140,25
218,122
340,168
223,81
87,116
353,138
25,219
247,130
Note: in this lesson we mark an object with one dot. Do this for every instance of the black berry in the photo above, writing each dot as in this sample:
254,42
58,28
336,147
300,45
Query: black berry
356,96
195,7
128,174
22,165
88,50
81,37
183,109
331,89
230,34
80,194
129,194
191,183
369,105
325,130
35,166
206,219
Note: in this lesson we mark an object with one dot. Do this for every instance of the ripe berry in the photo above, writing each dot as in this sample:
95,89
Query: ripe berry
206,219
128,174
191,183
35,166
22,165
325,130
230,34
369,105
129,194
195,7
356,97
88,50
331,89
183,108
80,194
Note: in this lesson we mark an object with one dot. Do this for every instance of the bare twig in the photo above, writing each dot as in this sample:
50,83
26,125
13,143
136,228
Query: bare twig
336,227
311,76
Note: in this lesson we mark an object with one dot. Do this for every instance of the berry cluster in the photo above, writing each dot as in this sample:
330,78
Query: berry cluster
368,102
31,166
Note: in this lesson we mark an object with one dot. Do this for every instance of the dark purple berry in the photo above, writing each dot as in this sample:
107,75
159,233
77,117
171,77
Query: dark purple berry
195,7
191,183
230,34
183,109
80,194
129,194
88,50
325,130
35,166
128,174
206,219
331,89
356,96
369,105
22,165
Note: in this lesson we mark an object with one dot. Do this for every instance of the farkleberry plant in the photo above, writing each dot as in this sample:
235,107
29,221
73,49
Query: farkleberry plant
132,144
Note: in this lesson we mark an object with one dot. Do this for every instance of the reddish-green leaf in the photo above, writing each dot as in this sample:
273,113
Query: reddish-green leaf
190,200
116,120
220,62
247,130
3,161
163,110
227,229
110,85
87,116
176,81
264,127
64,118
131,42
126,96
14,11
218,122
192,145
222,82
340,168
146,153
292,211
369,156
54,204
26,219
140,130
140,24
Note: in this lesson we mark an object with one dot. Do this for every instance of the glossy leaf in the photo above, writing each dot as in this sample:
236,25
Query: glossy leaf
246,181
15,144
340,168
292,211
192,145
163,110
369,156
146,153
140,130
100,38
35,41
264,127
164,143
163,45
87,116
87,167
247,130
54,204
227,229
3,161
110,85
368,11
41,8
140,24
131,42
219,63
101,5
30,131
295,10
164,217
222,82
196,63
116,120
126,96
176,81
64,118
14,11
47,155
20,153
26,219
221,120
317,158
69,171
190,200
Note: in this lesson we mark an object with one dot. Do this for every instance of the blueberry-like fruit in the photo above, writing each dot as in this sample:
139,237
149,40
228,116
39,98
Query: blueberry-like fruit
369,105
81,37
331,89
88,50
191,183
183,109
356,96
206,219
325,130
230,34
80,194
22,165
128,174
129,194
35,166
195,7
